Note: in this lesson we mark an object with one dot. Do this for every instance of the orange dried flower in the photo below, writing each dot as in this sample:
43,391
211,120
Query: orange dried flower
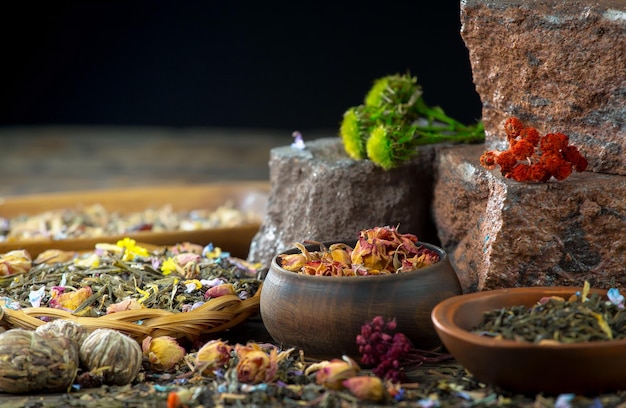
531,135
538,173
520,172
513,127
556,165
573,156
522,149
506,160
488,160
553,142
531,158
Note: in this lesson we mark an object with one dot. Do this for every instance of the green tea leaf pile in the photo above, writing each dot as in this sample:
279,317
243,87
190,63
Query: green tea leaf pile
583,317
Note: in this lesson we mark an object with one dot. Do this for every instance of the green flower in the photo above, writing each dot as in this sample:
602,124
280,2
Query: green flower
394,92
394,120
388,146
354,132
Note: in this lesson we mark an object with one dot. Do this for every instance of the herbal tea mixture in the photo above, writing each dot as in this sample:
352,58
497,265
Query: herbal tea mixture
555,320
123,276
96,221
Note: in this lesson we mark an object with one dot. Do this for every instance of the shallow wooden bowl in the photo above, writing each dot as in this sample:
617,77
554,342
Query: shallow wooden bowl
580,368
322,315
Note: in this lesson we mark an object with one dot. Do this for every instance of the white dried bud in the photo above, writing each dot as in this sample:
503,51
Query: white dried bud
67,328
111,354
31,362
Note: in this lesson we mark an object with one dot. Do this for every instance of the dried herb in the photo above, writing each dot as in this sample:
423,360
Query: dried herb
581,318
126,276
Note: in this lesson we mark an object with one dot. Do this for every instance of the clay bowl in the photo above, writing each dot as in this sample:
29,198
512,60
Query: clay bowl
322,315
581,368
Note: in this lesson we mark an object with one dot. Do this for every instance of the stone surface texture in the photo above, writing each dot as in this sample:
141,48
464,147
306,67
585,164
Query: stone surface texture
321,194
559,66
500,233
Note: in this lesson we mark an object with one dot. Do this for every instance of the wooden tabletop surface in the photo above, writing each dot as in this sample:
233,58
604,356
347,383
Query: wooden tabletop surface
57,159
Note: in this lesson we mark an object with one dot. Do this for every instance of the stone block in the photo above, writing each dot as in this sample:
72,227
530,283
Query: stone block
559,66
501,234
323,195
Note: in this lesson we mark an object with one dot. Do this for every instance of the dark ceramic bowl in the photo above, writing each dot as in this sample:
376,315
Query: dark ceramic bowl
322,315
582,368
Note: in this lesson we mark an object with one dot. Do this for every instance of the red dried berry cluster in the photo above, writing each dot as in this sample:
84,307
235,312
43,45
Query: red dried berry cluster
531,157
391,353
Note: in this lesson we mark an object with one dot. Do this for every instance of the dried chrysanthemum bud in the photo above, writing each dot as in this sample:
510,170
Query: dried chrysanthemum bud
32,362
113,355
163,352
67,328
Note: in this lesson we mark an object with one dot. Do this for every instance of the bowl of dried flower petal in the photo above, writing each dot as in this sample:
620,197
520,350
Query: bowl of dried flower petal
317,297
550,340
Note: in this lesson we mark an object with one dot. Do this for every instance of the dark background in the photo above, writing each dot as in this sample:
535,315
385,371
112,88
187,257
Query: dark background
253,64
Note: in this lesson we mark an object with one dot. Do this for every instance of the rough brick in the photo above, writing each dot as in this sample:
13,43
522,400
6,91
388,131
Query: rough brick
321,194
559,66
500,233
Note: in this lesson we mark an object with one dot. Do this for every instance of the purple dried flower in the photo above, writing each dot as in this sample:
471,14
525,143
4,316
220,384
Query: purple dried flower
391,353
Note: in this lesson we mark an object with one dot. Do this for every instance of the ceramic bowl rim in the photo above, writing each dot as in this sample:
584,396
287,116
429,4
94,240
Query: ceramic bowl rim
275,267
443,321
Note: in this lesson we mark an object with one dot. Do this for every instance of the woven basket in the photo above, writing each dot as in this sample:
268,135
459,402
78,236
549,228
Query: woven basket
214,316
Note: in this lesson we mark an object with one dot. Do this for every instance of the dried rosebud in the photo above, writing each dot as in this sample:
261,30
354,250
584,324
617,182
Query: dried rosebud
52,256
332,374
365,388
66,328
71,300
113,355
32,362
255,364
213,355
220,290
14,262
